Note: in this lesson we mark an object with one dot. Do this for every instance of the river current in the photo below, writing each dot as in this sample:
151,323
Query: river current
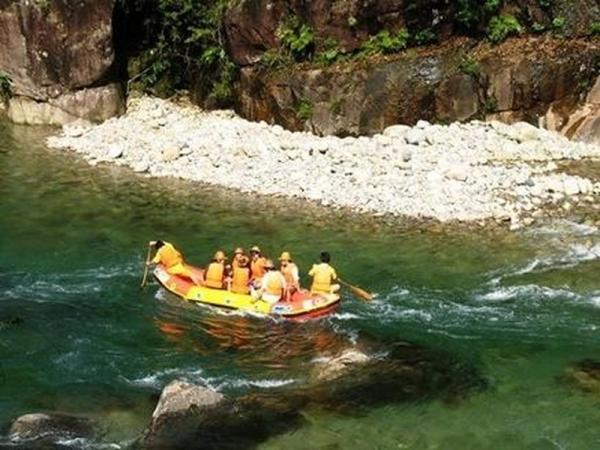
78,336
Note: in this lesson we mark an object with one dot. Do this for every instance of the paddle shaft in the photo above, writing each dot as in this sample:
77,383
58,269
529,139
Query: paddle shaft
361,293
145,277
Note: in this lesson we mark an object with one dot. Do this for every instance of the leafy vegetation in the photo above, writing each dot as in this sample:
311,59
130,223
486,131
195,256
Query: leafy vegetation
595,29
559,25
182,39
330,53
297,37
386,42
6,87
500,27
538,27
304,109
470,13
425,36
490,105
470,66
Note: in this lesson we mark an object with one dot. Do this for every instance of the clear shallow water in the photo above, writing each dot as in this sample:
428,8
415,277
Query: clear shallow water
520,307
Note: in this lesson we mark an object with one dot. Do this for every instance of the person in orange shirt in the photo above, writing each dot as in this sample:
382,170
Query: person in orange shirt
214,276
291,274
172,260
257,266
240,276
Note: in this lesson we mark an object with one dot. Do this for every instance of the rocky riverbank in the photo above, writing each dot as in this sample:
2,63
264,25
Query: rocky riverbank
461,172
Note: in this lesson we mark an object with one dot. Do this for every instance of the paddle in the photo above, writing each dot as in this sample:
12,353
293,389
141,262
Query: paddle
360,293
145,277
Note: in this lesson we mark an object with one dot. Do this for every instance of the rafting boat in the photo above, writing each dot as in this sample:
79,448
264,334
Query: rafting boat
302,305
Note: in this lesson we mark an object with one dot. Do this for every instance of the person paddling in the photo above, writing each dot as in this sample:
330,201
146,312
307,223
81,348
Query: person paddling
172,260
215,272
323,276
273,284
291,274
257,265
240,276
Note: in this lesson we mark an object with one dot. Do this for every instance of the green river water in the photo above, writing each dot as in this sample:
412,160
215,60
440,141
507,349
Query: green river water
520,307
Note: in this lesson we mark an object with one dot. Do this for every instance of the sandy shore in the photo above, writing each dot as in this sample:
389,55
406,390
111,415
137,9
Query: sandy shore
464,172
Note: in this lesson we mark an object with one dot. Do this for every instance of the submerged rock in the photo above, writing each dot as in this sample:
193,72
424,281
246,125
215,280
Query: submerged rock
585,375
39,429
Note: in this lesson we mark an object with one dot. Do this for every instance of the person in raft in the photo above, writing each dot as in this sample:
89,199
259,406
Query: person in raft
291,274
238,254
273,284
240,276
214,276
172,260
323,276
257,266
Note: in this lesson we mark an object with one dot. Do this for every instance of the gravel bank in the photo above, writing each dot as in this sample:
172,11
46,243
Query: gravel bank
464,172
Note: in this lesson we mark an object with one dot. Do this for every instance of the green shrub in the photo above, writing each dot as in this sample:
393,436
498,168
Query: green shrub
181,39
546,4
330,53
595,29
274,59
470,66
500,27
296,37
424,37
6,86
386,42
538,27
304,109
470,13
559,25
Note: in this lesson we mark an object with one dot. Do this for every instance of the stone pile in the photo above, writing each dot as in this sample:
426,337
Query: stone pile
460,172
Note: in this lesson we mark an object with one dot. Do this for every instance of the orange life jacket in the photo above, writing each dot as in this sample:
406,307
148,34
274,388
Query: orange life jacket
169,256
240,280
258,268
214,275
323,274
273,284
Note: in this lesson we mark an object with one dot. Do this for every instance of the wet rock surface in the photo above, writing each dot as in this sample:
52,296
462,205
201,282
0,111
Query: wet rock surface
41,430
194,417
460,172
585,376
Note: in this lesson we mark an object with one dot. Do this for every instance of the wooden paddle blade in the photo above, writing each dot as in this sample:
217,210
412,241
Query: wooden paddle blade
360,293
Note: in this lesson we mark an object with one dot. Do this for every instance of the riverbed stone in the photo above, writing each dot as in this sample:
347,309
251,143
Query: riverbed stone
49,427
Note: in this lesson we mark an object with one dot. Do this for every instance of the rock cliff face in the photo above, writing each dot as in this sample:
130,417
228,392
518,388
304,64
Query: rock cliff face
59,55
462,77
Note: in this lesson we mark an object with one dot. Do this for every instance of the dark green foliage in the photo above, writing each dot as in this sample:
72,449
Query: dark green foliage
304,109
470,66
595,29
181,38
471,13
297,38
500,27
490,105
559,25
538,27
274,59
330,53
6,89
546,4
386,42
425,36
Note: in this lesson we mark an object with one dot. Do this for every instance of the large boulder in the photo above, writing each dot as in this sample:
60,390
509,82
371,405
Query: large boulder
585,375
39,429
59,54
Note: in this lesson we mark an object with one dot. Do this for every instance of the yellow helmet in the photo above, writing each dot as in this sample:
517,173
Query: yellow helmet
239,251
220,256
285,256
256,249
